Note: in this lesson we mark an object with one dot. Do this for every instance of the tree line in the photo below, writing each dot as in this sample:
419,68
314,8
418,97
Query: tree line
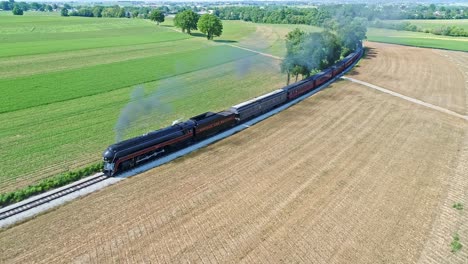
309,53
317,16
448,30
24,6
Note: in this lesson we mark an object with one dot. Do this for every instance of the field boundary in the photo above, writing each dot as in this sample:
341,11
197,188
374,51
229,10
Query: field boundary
407,98
415,46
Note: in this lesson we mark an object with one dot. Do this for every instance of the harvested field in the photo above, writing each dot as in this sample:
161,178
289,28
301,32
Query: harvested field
350,175
434,76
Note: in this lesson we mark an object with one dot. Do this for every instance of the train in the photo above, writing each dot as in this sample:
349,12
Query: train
130,153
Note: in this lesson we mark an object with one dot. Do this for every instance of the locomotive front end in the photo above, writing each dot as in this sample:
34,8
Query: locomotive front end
108,158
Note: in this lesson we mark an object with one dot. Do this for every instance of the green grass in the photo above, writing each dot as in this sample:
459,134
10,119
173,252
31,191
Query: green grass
29,44
30,91
456,245
53,62
458,206
48,184
417,39
268,38
62,89
433,23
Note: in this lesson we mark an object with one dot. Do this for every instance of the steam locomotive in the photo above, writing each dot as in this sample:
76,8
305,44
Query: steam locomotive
129,153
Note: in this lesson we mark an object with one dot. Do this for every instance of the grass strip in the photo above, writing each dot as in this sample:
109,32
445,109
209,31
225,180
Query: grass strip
48,184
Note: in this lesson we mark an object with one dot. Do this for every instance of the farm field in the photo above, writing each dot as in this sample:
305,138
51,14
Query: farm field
433,23
268,38
417,39
59,103
438,77
350,175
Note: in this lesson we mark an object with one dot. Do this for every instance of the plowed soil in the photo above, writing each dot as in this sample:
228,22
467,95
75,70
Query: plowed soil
435,76
350,175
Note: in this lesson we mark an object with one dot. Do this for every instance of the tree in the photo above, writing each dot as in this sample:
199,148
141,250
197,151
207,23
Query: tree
121,12
351,32
210,25
186,20
5,5
64,12
17,11
157,16
49,8
290,63
312,52
332,48
97,11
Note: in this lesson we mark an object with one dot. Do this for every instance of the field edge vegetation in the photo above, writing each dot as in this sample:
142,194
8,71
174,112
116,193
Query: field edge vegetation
47,184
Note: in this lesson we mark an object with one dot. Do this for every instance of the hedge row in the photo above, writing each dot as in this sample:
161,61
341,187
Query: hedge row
48,184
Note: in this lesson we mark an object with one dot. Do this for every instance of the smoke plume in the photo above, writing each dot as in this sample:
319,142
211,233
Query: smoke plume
139,106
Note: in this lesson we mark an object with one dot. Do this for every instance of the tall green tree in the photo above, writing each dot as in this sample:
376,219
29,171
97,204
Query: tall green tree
17,11
351,32
186,20
293,44
309,52
97,11
332,47
210,25
156,16
64,12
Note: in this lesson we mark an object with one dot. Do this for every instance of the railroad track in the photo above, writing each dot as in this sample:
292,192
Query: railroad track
55,195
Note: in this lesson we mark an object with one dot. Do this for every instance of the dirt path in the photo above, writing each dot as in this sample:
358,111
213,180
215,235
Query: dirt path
258,52
350,175
416,101
432,76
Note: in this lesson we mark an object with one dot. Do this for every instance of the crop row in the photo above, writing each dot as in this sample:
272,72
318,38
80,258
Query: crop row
30,91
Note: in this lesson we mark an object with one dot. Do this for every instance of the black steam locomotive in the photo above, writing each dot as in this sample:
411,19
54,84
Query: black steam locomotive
132,152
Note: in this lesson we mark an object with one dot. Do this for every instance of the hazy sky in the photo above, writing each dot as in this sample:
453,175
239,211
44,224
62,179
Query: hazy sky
461,2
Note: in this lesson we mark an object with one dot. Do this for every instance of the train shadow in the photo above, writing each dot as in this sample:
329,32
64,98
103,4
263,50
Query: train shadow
225,41
369,53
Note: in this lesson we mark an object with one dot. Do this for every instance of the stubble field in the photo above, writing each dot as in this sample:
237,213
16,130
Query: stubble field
350,175
435,76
